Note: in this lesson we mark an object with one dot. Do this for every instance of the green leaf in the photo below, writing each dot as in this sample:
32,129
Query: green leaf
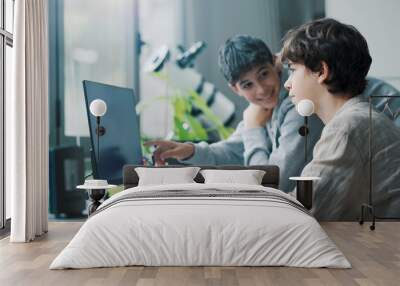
187,127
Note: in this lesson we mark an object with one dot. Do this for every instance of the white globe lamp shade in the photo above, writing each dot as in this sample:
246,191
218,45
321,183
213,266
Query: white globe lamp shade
305,107
98,107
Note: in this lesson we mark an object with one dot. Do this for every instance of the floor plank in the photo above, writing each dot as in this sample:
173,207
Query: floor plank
375,257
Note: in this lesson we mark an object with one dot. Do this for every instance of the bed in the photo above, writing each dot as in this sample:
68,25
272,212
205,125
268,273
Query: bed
198,224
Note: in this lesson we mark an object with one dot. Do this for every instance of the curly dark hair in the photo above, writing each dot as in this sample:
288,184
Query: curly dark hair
340,46
240,54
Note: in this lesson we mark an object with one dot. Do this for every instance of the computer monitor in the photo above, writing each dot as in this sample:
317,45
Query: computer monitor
120,144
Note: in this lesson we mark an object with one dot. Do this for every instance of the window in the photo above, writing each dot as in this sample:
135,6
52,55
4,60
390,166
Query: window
6,44
97,46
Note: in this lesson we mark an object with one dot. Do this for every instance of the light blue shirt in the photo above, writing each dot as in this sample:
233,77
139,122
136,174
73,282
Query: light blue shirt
278,143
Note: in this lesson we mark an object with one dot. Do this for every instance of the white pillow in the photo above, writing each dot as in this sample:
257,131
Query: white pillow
248,177
163,176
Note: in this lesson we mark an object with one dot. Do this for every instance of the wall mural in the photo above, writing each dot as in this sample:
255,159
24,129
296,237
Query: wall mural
235,93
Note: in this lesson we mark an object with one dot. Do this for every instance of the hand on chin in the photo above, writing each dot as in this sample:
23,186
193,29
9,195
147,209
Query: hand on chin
256,116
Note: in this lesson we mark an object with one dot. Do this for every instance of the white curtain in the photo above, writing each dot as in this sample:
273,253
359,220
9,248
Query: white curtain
27,123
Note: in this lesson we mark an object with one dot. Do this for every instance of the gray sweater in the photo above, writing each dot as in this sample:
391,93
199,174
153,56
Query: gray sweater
278,143
341,159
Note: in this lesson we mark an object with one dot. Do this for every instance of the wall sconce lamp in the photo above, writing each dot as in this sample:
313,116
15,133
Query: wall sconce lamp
98,108
305,108
304,189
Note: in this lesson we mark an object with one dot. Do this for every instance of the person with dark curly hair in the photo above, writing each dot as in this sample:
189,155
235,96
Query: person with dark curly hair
328,63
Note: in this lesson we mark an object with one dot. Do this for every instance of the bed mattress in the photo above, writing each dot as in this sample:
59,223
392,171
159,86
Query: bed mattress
201,225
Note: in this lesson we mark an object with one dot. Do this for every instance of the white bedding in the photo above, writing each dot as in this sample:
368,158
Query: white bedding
182,231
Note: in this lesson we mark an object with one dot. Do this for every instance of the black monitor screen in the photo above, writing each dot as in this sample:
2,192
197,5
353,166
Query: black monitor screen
120,143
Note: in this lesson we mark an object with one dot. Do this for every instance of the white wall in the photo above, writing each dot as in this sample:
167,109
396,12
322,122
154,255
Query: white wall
379,22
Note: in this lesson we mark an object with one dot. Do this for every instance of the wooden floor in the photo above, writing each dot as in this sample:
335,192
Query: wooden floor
375,257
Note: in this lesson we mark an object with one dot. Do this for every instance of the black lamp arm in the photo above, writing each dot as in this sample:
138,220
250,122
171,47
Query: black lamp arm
303,131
